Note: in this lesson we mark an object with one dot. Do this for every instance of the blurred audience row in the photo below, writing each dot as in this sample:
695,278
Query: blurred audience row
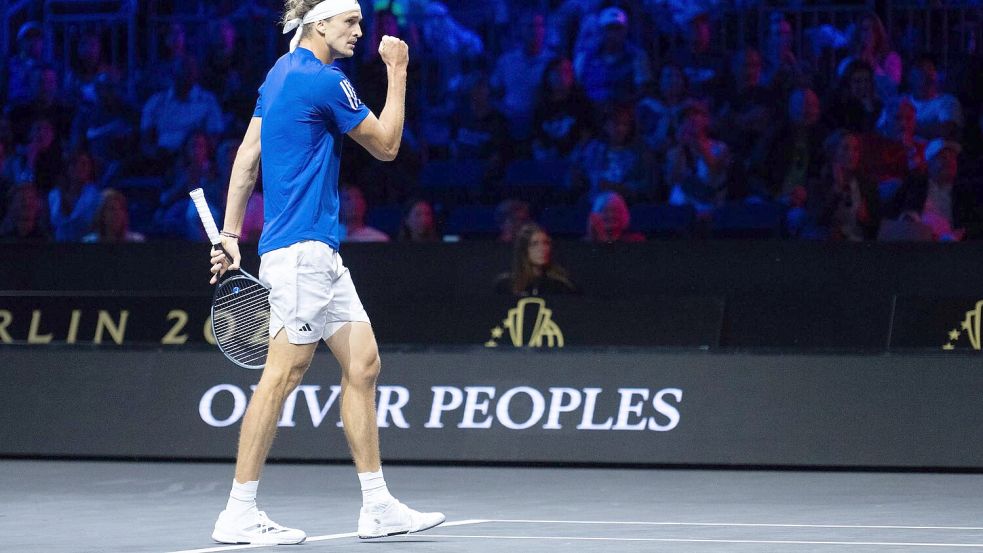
849,141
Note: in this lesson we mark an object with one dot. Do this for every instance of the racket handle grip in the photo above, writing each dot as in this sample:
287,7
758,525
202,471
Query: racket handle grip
205,214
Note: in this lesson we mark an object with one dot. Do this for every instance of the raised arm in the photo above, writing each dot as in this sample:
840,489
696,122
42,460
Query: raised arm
382,135
245,170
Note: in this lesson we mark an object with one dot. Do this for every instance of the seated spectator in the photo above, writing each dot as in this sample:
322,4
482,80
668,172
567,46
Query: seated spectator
844,204
615,71
176,216
479,130
29,56
80,80
745,111
112,222
73,204
609,220
783,72
161,76
565,22
590,33
697,167
821,45
419,224
658,115
938,200
894,151
937,115
25,218
169,117
702,65
616,161
45,102
352,214
450,55
855,105
511,215
869,42
40,159
106,128
790,157
519,72
533,271
745,103
227,73
561,121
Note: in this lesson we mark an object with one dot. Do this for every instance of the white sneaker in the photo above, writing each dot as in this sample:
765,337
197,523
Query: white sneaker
394,520
253,526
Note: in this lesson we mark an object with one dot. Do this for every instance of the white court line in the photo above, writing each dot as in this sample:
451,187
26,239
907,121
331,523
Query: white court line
737,524
311,539
685,540
641,523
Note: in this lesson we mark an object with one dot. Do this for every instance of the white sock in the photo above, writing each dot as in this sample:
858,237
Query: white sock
242,497
374,489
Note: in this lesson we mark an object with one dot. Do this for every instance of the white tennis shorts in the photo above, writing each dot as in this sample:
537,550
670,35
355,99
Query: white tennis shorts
311,292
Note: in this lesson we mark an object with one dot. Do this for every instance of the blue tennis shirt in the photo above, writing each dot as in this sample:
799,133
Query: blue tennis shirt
307,108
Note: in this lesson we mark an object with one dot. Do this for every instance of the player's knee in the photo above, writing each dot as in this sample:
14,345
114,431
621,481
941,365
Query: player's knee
284,377
365,372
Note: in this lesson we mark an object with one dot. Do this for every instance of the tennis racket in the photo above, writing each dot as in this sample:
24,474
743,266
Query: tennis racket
240,307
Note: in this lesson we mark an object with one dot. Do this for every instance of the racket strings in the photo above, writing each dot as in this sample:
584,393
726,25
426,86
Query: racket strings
232,295
240,321
256,305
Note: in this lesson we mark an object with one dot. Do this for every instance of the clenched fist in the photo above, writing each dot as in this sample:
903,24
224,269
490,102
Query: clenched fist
394,52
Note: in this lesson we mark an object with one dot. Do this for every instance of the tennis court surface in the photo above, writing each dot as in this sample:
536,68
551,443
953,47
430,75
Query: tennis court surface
89,507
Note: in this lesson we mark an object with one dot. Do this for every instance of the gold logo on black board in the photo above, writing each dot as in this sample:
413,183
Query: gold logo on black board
970,327
544,328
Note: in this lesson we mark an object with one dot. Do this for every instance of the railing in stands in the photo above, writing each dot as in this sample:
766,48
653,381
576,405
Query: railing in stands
13,13
65,21
951,30
253,18
737,25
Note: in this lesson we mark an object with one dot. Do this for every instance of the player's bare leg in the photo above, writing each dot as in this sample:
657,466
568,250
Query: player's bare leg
285,367
242,521
382,515
355,348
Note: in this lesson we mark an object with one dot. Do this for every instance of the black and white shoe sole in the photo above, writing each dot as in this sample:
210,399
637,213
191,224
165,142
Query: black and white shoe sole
403,532
236,541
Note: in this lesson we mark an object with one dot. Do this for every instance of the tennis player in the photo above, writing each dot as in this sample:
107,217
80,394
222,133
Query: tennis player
305,109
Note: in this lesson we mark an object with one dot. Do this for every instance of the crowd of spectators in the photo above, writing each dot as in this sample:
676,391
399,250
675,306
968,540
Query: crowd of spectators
851,140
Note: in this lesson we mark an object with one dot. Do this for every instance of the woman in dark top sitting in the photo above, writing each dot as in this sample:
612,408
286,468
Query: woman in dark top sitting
419,224
533,273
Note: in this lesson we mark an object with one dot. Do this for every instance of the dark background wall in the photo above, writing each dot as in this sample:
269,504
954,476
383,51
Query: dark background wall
819,355
787,296
910,411
463,269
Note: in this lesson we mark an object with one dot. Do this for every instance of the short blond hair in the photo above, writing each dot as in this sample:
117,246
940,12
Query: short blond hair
297,9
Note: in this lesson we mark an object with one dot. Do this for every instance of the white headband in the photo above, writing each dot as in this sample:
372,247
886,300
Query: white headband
324,10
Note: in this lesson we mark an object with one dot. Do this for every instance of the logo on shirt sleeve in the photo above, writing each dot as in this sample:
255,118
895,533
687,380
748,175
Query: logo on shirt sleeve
349,90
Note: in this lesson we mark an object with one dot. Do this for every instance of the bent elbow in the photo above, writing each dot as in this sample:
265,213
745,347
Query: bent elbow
248,154
388,154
